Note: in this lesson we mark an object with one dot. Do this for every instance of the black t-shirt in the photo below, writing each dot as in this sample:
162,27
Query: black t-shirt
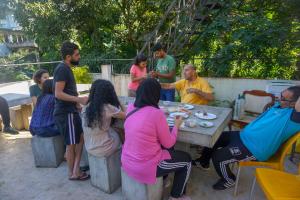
64,73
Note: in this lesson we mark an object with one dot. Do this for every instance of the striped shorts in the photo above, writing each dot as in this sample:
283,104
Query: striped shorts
69,125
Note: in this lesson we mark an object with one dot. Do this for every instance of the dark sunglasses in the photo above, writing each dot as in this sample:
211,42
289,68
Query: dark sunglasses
284,99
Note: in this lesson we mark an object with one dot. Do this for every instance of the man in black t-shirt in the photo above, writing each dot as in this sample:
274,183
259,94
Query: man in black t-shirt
66,115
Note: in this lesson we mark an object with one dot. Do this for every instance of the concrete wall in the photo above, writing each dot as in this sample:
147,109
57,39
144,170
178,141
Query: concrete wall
224,88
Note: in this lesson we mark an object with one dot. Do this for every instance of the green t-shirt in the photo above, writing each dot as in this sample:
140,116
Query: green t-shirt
165,66
35,91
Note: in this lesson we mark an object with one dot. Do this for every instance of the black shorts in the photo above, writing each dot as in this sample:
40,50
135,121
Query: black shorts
69,125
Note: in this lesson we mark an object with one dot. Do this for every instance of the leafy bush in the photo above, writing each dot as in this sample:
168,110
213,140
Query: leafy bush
82,75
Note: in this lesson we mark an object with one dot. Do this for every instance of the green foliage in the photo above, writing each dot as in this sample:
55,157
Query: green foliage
251,38
254,39
82,75
15,73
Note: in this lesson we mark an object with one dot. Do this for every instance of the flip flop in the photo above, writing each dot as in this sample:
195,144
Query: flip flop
83,177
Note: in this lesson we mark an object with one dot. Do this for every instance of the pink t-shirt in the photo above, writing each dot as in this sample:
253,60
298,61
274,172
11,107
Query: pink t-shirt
146,131
137,72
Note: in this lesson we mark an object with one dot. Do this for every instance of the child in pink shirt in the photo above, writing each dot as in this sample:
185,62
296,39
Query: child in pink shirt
138,72
145,153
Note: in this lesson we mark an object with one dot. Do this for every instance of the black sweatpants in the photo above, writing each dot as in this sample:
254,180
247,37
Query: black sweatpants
228,149
4,112
180,163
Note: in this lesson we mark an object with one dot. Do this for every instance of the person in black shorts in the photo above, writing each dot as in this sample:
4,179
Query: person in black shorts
66,113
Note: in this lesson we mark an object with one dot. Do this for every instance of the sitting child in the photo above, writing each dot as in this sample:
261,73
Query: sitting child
98,116
42,121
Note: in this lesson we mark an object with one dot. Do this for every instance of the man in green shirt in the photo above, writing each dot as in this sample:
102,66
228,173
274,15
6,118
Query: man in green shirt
165,71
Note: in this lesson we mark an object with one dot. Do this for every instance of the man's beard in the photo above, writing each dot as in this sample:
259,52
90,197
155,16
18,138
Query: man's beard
74,63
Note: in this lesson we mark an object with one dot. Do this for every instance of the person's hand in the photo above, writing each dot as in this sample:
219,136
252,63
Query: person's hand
297,105
83,100
178,121
192,90
79,107
145,77
153,74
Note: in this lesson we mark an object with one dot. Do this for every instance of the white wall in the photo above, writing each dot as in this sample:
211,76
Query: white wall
224,88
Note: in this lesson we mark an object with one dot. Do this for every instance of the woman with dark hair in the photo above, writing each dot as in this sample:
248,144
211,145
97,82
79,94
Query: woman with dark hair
42,120
98,115
39,78
147,136
138,72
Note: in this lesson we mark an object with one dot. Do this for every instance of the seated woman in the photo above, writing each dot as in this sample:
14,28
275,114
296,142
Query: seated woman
147,138
36,90
42,120
138,72
98,115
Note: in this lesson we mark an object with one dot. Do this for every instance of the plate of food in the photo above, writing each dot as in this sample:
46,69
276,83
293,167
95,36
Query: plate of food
182,114
206,124
188,107
205,115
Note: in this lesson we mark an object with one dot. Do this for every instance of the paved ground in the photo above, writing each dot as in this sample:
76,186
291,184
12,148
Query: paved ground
20,180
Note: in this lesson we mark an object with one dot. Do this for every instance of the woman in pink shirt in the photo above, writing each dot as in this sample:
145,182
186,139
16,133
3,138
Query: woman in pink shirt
147,138
138,72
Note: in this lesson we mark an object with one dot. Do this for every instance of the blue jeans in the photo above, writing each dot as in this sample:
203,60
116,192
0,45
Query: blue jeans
167,95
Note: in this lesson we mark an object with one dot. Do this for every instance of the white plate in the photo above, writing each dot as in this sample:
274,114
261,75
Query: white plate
208,116
182,114
188,107
206,124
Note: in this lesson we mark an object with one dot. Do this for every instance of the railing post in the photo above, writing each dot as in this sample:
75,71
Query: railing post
106,71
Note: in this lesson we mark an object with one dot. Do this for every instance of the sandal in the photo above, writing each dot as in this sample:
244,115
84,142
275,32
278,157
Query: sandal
83,177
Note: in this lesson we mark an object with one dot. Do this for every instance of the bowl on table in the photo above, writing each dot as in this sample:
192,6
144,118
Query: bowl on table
192,123
205,115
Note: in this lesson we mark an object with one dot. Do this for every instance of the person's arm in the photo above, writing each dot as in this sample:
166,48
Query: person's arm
115,112
33,95
296,113
167,86
297,105
205,95
34,100
167,76
137,79
166,138
60,94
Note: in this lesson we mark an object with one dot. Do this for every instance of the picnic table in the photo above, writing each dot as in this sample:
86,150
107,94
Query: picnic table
198,135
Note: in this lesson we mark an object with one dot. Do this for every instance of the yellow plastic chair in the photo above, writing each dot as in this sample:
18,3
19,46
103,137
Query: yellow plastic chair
275,162
277,185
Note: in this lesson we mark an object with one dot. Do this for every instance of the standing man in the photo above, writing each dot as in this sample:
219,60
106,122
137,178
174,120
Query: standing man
66,115
192,89
165,71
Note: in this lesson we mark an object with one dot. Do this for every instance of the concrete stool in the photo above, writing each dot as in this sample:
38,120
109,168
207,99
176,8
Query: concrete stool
133,190
47,151
106,171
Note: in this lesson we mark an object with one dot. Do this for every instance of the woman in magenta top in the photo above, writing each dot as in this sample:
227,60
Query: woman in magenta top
138,72
147,138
